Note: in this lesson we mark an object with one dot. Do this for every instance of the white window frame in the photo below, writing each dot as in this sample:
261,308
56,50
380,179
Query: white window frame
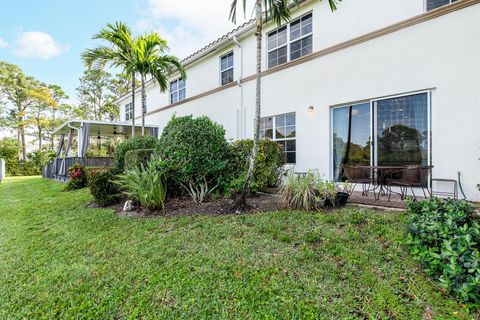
177,92
228,69
128,111
287,44
425,5
373,124
274,131
289,41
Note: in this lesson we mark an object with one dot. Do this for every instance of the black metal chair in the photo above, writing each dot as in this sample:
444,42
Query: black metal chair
412,176
359,174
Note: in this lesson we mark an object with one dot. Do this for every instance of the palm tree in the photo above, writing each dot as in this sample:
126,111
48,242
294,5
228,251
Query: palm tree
120,53
151,61
278,11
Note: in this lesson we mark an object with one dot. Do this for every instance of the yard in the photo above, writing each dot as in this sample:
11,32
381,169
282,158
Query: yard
59,259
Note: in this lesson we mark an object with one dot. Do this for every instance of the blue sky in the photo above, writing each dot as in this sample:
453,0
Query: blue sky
45,38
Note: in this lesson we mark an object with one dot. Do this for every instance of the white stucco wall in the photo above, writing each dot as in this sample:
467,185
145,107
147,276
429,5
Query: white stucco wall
440,55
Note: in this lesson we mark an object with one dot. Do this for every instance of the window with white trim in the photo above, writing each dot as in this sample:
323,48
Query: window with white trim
226,68
177,90
282,129
434,4
291,41
128,111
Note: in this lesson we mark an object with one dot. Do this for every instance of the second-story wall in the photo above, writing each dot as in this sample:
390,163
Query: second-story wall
353,19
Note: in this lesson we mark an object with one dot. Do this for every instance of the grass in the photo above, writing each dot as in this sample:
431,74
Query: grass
59,259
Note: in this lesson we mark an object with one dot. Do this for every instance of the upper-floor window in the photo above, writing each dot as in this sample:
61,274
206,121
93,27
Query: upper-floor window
226,68
291,41
434,4
128,111
177,90
282,129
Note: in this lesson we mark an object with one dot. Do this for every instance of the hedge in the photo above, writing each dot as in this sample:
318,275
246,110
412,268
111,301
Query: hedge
133,158
136,143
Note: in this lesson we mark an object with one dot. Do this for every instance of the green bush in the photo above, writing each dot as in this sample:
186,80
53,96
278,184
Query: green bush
144,185
445,238
269,167
101,185
22,168
136,143
133,158
195,153
77,177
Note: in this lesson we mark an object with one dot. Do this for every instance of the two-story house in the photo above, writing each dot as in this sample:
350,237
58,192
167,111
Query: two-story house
377,82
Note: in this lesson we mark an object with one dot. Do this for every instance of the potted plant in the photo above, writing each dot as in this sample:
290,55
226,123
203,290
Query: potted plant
325,193
343,193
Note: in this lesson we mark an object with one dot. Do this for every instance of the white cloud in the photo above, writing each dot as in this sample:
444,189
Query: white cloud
38,44
188,25
3,43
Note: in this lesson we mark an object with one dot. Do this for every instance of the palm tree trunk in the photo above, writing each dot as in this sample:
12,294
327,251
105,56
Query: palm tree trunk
133,104
144,104
241,203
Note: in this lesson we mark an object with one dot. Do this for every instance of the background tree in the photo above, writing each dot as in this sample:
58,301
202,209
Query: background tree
96,97
151,61
278,11
119,53
37,115
16,88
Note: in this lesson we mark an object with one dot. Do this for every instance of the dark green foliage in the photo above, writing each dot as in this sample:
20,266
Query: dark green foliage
77,177
445,239
133,158
22,168
136,143
101,185
9,150
269,168
194,152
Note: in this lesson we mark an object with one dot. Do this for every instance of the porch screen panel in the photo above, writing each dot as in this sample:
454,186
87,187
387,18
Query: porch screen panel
351,137
402,130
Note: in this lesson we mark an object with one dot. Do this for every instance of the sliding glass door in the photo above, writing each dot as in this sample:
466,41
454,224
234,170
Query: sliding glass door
402,130
390,131
351,137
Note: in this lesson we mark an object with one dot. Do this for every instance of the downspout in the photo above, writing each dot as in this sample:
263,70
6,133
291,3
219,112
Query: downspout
239,83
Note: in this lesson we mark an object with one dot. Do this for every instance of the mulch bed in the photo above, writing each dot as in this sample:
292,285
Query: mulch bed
184,206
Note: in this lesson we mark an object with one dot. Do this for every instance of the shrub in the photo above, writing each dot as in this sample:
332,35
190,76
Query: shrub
133,158
298,191
144,185
269,167
308,191
22,168
78,177
136,143
195,153
101,185
445,238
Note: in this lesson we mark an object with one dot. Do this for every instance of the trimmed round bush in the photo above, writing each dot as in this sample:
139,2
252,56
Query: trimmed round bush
136,143
194,151
270,161
133,158
101,185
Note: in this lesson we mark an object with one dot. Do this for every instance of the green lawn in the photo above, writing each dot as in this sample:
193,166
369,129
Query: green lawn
61,260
